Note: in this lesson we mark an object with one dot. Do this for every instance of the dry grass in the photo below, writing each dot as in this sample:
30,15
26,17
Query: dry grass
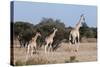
87,52
32,61
71,60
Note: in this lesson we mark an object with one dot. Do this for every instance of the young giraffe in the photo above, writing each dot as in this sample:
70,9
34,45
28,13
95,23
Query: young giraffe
49,40
33,45
74,34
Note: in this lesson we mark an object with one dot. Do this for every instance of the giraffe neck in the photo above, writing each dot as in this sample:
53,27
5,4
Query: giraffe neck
53,34
78,25
35,38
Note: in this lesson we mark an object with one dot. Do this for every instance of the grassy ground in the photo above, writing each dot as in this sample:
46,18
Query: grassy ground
87,52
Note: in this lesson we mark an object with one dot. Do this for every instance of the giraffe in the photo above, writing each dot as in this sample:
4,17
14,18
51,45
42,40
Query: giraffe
33,45
74,34
49,40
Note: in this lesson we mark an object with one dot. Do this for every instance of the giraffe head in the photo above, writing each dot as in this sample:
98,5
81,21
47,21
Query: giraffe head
38,34
55,29
82,18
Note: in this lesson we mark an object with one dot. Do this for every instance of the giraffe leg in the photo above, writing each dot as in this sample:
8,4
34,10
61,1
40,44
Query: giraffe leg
74,42
28,52
50,47
32,50
35,51
77,47
70,42
46,46
78,43
70,39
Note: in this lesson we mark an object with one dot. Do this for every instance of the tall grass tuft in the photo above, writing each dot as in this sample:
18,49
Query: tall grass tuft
32,61
72,59
35,61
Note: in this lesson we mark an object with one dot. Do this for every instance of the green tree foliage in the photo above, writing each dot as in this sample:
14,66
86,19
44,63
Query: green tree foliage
89,32
46,28
26,30
23,31
67,32
22,27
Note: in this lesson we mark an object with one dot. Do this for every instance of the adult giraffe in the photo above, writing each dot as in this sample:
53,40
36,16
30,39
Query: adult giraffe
49,40
74,34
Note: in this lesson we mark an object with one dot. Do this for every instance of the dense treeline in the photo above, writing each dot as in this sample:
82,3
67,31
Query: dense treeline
25,30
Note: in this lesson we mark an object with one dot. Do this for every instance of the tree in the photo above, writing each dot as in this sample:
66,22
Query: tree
46,26
87,31
26,30
23,31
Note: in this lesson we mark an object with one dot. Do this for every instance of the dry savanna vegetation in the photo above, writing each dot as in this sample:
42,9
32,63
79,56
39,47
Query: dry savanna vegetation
87,52
22,33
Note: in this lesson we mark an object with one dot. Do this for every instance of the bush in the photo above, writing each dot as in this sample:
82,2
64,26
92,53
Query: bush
72,59
19,63
36,61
